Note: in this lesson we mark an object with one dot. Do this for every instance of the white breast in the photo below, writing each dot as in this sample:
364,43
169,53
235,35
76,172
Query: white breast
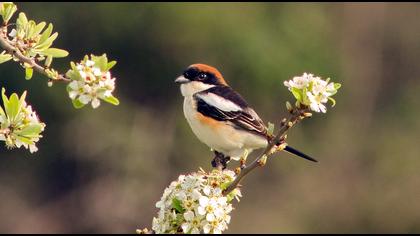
223,138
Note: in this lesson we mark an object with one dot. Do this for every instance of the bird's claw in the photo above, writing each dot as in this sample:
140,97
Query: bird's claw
220,161
242,160
262,161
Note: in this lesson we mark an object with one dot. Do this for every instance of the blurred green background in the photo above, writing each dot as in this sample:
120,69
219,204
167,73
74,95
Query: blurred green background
101,171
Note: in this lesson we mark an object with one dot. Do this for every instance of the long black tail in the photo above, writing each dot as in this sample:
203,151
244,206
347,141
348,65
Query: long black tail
299,154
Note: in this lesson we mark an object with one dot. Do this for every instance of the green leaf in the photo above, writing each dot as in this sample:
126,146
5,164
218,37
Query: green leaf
113,100
337,86
30,130
5,99
22,99
225,185
48,61
3,120
73,65
3,117
25,140
68,89
231,196
333,92
39,27
5,104
332,100
30,29
270,129
55,52
297,93
73,75
7,10
177,205
13,107
47,43
2,112
101,62
22,20
110,65
305,99
77,104
28,73
46,34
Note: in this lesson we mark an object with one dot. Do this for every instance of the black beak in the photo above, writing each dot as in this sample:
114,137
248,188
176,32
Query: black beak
181,80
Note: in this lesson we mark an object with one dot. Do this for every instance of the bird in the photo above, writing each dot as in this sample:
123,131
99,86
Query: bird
220,117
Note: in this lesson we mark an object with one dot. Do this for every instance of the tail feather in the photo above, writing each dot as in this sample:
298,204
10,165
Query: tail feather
299,153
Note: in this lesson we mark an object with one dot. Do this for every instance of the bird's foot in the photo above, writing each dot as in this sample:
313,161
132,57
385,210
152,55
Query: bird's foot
262,161
242,161
280,146
220,161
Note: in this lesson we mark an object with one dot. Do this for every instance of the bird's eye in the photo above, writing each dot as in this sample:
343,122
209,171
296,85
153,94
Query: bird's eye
202,75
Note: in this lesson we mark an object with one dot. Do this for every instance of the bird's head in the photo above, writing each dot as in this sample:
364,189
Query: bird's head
199,77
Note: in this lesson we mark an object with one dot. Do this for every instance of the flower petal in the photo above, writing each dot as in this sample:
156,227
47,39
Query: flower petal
204,201
201,210
85,99
210,217
189,216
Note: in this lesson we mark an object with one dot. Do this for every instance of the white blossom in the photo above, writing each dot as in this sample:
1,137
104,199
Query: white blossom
195,204
316,102
94,84
13,33
89,63
312,91
96,71
85,98
95,102
30,118
192,222
22,129
299,82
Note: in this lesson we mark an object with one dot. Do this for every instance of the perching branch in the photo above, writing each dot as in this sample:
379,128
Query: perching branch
274,145
7,45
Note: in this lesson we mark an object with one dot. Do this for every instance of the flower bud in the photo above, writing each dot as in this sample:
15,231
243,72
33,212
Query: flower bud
289,106
307,114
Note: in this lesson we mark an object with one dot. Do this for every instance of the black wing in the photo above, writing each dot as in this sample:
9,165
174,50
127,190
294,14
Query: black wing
243,117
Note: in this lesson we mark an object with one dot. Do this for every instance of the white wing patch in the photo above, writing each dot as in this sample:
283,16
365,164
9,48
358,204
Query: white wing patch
219,102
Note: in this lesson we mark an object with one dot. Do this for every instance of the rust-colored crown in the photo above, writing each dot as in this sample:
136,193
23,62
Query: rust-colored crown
210,69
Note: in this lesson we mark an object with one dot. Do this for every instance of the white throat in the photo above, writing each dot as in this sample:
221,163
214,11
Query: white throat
191,88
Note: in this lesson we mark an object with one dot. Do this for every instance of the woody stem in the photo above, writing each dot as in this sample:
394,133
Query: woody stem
15,52
296,116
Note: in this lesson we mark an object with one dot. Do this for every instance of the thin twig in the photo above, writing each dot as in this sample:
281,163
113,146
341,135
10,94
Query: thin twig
296,115
6,45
